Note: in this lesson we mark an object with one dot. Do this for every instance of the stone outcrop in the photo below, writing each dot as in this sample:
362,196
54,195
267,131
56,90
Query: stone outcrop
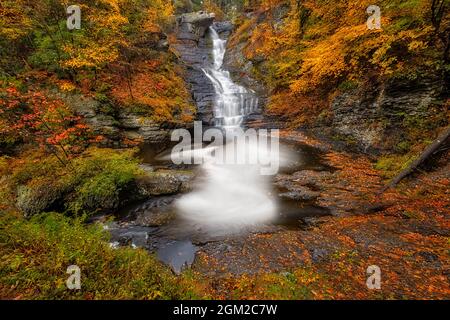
194,49
116,124
374,117
193,26
138,127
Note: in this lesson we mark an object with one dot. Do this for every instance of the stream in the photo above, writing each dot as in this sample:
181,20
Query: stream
226,200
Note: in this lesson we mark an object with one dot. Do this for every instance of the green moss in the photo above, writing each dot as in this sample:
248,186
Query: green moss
403,147
390,165
347,139
100,176
348,85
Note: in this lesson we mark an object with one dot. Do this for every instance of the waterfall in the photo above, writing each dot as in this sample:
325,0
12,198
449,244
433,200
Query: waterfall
233,102
230,197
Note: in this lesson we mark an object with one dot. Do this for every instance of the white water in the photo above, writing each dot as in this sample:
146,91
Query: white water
230,197
232,101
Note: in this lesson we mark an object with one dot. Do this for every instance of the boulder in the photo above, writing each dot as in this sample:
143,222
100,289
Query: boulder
164,182
193,26
33,201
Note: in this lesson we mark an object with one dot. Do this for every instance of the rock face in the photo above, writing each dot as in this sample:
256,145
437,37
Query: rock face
155,212
373,116
194,49
32,202
116,124
193,26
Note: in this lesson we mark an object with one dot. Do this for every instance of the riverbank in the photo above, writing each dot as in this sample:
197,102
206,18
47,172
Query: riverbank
403,231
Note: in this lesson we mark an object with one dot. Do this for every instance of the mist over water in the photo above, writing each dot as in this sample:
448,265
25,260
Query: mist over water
231,197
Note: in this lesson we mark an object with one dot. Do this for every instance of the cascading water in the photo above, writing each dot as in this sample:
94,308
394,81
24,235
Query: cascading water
231,196
232,101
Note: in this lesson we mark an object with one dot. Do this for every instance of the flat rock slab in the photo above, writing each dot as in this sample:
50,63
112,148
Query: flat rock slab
165,182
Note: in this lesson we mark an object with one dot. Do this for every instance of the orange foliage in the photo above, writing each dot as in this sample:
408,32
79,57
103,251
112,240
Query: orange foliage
34,118
316,46
160,92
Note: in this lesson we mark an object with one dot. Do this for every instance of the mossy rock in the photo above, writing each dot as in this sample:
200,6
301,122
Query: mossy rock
32,201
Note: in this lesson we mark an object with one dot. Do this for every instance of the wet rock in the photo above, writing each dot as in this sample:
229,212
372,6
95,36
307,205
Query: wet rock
194,49
312,222
164,183
155,212
143,127
300,194
155,217
125,241
223,28
429,256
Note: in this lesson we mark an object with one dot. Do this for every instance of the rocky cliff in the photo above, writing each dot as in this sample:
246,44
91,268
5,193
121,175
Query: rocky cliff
194,49
378,116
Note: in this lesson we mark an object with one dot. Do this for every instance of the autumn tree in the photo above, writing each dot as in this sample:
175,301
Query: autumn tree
33,118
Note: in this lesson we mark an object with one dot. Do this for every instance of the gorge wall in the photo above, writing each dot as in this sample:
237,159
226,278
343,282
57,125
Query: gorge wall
194,51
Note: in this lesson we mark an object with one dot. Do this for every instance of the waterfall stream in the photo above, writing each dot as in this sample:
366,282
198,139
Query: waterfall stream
231,196
233,101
